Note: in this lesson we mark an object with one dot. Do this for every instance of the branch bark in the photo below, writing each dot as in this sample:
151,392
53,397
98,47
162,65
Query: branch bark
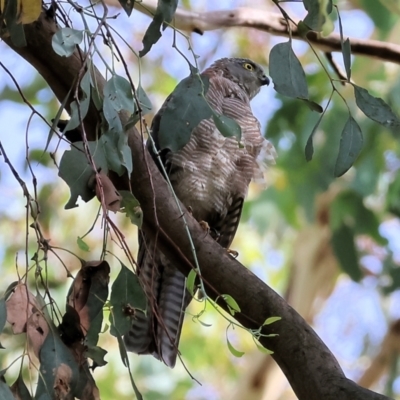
308,364
272,23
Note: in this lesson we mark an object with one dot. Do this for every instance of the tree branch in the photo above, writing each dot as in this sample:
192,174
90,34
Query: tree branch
273,23
308,364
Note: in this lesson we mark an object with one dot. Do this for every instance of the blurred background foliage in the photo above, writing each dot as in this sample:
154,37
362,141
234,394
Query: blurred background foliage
330,246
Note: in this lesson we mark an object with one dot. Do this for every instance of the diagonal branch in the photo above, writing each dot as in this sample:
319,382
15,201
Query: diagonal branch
273,23
308,364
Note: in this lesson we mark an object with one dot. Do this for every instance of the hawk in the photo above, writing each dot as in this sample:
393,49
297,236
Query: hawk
210,175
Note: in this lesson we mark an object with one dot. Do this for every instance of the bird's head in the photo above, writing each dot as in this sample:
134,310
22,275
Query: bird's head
246,73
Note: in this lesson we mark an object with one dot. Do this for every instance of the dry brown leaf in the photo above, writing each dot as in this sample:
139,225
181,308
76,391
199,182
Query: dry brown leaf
78,296
37,330
20,306
62,382
112,198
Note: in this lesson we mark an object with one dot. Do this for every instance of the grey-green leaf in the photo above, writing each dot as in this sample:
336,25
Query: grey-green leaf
350,147
375,108
65,41
131,207
346,50
119,92
164,13
76,171
127,296
183,110
345,250
286,72
227,126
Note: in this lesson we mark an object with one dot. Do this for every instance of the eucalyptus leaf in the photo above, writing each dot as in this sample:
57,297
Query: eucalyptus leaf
183,110
351,143
286,72
227,126
346,50
375,108
235,352
118,91
164,14
65,40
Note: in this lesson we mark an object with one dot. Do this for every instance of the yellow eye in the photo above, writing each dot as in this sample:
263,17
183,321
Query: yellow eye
248,66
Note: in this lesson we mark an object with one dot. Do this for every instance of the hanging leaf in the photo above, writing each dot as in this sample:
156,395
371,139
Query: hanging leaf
78,112
10,15
346,50
286,72
127,5
271,320
82,244
19,389
5,391
119,93
375,108
227,126
131,207
164,13
76,171
233,306
351,143
58,374
317,17
191,278
174,125
87,296
127,297
345,250
233,351
97,354
65,40
3,316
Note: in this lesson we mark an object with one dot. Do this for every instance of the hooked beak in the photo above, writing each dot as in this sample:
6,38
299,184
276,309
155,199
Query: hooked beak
265,80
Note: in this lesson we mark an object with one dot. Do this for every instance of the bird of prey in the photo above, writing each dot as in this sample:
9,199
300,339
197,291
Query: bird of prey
210,175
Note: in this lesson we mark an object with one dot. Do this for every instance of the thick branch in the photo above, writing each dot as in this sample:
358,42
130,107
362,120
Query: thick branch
308,364
272,23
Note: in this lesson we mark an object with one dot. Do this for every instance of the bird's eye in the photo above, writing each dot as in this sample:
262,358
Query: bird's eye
248,66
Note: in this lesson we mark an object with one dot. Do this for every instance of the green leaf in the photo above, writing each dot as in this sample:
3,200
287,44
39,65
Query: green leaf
144,101
65,40
5,391
127,5
57,367
312,105
286,72
233,351
184,109
233,306
20,390
351,143
262,349
111,116
127,296
317,17
3,316
309,150
97,354
81,244
78,112
118,92
117,152
125,360
345,250
227,126
76,171
164,13
190,281
14,28
346,50
131,207
375,108
271,320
